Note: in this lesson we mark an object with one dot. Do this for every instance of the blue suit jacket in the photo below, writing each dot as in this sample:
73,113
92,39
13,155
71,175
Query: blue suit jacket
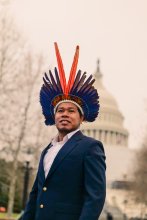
75,187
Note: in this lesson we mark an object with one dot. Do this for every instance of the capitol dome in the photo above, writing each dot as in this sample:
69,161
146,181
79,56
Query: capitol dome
108,127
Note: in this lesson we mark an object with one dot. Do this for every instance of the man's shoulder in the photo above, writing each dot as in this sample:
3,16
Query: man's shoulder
93,144
89,139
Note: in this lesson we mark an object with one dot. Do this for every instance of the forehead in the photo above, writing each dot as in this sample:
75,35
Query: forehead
67,105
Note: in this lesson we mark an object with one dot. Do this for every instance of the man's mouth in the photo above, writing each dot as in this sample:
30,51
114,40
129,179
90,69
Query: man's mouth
64,121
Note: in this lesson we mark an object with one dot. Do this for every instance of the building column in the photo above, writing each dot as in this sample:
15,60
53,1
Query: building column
103,136
113,138
90,133
119,139
100,135
107,137
94,133
111,141
97,135
124,140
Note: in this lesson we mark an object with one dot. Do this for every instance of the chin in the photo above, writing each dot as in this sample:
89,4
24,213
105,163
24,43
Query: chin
65,130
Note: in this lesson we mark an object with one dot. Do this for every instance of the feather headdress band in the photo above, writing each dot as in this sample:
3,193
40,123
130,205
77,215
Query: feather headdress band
78,90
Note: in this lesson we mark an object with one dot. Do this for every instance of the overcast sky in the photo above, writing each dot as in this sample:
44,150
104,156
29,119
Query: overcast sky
113,30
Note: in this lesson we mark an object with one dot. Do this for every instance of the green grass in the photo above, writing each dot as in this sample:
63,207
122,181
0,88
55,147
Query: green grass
4,215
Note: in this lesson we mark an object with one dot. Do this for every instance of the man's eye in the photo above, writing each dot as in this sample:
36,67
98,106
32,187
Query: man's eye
59,110
71,110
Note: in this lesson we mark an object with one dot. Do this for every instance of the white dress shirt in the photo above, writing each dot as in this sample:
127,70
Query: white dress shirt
54,149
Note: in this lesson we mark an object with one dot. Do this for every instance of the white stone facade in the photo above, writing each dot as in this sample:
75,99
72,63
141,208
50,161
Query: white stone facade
109,129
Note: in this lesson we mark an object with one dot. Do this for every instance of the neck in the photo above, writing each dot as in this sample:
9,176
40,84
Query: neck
61,136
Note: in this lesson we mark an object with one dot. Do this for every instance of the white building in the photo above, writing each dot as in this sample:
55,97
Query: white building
109,129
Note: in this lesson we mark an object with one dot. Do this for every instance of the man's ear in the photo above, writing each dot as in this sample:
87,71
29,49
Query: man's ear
82,118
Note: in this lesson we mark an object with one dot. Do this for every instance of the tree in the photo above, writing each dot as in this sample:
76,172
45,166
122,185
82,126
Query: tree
4,185
20,126
18,74
28,83
140,177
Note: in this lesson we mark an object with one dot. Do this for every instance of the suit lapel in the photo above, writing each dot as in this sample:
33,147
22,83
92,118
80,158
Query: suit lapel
41,166
65,150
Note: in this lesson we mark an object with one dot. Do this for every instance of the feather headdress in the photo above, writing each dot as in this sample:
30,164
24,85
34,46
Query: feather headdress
78,90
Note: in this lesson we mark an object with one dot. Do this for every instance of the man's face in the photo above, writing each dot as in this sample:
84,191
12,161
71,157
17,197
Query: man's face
67,117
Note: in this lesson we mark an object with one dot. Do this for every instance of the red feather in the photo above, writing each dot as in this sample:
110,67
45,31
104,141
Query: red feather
61,68
73,71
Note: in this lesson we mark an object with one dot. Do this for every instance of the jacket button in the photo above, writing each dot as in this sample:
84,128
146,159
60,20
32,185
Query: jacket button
44,188
41,206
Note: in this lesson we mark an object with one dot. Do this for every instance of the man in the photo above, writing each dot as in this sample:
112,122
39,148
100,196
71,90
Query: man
70,182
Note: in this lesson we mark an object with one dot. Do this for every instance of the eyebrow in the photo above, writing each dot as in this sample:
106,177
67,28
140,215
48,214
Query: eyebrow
67,108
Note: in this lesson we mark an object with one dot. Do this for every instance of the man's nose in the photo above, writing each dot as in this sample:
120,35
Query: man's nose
65,114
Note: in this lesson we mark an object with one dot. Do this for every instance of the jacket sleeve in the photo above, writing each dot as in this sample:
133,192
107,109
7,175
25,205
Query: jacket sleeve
29,212
94,182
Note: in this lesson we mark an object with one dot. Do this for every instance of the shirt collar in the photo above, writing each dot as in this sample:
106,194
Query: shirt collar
69,135
65,139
